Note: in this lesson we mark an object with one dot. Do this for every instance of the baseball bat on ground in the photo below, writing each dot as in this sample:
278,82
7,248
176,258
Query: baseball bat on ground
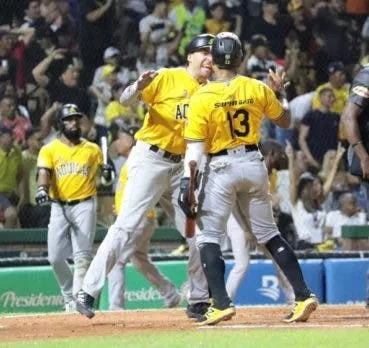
191,221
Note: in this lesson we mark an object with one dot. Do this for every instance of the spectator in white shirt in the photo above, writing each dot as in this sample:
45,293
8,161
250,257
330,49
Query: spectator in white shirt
349,214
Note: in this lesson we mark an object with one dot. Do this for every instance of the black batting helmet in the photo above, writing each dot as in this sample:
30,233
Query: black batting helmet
67,110
200,42
227,50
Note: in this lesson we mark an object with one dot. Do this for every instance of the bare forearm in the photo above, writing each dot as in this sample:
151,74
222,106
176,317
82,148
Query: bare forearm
305,149
95,15
43,178
39,72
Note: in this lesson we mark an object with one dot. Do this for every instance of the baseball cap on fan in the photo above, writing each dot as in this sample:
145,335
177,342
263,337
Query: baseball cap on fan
111,52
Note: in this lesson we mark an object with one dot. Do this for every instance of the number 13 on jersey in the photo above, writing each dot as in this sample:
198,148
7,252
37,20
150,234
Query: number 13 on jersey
238,122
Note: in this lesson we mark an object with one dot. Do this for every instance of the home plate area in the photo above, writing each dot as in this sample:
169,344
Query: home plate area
61,325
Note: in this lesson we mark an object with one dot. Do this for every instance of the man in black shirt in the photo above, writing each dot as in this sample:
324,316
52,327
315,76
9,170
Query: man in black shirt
64,89
355,118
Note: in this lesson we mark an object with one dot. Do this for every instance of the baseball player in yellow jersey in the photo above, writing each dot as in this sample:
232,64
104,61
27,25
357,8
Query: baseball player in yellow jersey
138,253
155,167
67,170
224,121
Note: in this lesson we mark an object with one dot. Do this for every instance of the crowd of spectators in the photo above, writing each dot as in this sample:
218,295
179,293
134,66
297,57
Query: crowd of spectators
86,52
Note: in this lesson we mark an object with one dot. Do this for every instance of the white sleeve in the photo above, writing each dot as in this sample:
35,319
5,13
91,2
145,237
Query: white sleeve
129,95
194,152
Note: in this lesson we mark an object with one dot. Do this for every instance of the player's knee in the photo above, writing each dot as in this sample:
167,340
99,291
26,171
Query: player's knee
240,268
82,263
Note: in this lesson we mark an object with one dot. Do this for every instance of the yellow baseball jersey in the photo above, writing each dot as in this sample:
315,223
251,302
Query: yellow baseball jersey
229,114
73,169
119,192
167,97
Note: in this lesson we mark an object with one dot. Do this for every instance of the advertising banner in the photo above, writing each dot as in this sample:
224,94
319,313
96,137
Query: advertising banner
140,293
29,289
346,280
260,285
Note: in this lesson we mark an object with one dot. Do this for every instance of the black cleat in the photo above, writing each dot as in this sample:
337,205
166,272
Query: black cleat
85,304
197,310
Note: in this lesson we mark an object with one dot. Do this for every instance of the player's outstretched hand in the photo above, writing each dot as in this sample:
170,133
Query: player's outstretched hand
276,80
107,174
183,198
145,79
42,195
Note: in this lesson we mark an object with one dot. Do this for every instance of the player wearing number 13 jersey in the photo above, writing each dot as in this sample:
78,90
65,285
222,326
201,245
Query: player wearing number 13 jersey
224,121
232,113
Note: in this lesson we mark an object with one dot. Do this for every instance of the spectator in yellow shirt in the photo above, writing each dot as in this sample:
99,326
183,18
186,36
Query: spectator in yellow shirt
11,196
218,20
116,110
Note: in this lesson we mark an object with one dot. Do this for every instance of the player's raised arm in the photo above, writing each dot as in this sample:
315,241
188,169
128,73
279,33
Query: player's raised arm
276,82
131,93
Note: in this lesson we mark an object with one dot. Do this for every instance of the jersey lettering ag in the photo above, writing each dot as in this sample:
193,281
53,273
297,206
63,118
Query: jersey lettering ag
167,109
73,169
232,115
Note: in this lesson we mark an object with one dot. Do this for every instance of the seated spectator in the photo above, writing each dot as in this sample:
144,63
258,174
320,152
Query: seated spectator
103,93
8,65
260,62
156,29
10,118
11,179
349,214
218,20
319,129
10,90
32,215
112,57
66,89
32,18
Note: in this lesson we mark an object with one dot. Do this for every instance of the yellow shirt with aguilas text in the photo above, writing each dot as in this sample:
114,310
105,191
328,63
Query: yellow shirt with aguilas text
229,114
73,168
167,97
119,192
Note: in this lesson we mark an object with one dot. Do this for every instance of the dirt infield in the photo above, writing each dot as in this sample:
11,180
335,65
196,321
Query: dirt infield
48,326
